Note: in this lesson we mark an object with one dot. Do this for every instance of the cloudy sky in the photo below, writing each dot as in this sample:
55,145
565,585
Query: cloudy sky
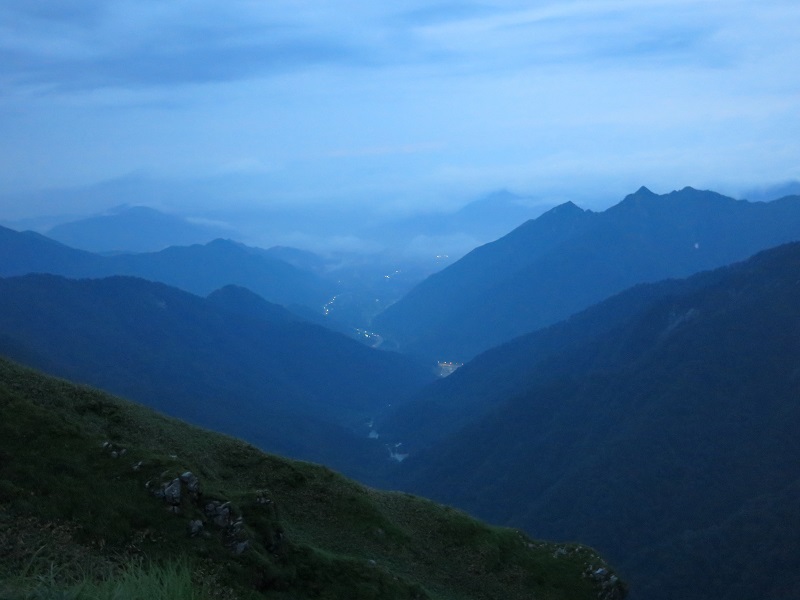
403,104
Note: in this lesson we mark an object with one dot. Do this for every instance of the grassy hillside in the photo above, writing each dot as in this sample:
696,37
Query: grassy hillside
98,491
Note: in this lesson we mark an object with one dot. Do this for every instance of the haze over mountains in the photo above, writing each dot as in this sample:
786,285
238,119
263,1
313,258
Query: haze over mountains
134,229
199,269
569,258
342,292
654,418
338,232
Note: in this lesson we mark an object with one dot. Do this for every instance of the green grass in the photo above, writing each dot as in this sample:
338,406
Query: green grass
75,518
170,581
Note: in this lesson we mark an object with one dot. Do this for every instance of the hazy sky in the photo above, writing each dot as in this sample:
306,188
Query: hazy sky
407,103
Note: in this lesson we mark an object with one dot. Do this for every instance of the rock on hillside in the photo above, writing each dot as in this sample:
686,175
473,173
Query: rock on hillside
88,480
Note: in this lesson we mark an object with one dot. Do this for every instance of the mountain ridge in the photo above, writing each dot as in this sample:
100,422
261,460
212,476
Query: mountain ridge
128,228
199,268
551,267
284,384
679,417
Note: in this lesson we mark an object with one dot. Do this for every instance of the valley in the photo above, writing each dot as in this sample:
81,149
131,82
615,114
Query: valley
626,379
399,301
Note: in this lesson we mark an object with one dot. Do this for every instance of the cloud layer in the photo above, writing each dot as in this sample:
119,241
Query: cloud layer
350,100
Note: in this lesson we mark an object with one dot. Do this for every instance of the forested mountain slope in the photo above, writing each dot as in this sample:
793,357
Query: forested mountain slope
199,269
232,362
669,440
568,259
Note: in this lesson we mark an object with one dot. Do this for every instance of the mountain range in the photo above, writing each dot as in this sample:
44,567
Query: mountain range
231,361
477,222
621,388
342,291
659,426
199,269
134,229
570,258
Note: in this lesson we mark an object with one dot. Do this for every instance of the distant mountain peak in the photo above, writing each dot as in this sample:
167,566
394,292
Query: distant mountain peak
243,301
643,193
126,228
223,242
569,205
566,209
129,208
227,245
567,259
563,213
638,200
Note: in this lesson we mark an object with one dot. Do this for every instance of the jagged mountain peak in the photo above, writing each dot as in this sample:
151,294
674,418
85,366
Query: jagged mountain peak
558,215
568,207
642,194
645,203
567,259
645,192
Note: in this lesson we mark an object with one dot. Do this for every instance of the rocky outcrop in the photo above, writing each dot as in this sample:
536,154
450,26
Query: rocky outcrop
192,484
113,450
171,492
183,495
611,588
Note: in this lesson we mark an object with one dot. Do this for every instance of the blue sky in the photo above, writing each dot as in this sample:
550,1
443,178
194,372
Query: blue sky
395,106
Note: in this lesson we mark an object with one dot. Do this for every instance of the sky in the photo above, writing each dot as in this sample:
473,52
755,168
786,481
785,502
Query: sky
400,106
